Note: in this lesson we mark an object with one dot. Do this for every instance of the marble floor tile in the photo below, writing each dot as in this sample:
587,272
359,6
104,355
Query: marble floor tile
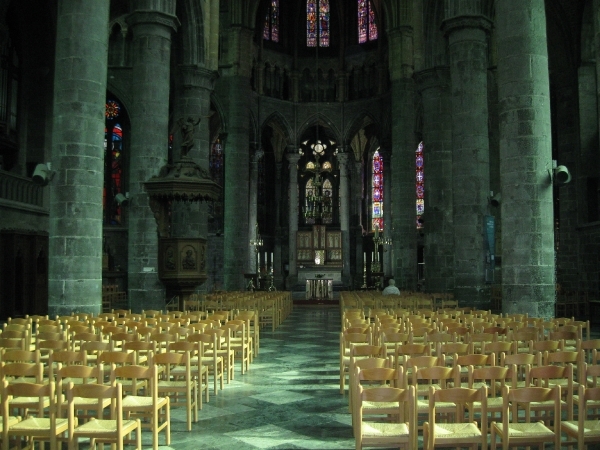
289,399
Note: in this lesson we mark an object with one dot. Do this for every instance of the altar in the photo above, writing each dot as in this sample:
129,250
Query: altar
319,261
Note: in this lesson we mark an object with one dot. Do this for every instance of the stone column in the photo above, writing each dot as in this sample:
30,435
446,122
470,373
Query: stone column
75,247
278,272
253,210
528,283
151,54
235,88
344,215
387,203
467,30
434,85
356,208
293,157
404,143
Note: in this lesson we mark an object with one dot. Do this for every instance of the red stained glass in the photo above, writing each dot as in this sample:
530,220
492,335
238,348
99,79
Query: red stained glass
367,25
377,191
317,23
420,184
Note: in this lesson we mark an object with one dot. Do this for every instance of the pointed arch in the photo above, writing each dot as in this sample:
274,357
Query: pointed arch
282,133
192,31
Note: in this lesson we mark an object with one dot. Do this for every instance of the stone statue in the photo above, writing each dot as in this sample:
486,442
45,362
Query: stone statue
187,128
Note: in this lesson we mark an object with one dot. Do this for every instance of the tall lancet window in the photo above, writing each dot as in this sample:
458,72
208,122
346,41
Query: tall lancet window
113,162
367,25
317,23
271,27
377,192
420,184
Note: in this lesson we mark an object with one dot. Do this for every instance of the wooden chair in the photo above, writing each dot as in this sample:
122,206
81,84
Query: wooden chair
113,429
212,361
85,408
198,371
346,341
155,410
513,431
41,423
399,433
370,377
494,378
586,429
240,342
456,433
182,391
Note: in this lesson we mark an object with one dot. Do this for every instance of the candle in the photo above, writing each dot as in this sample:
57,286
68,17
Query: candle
271,259
376,231
365,258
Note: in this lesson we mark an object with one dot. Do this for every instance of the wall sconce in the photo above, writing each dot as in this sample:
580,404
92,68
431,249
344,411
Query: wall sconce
495,199
42,175
121,199
559,174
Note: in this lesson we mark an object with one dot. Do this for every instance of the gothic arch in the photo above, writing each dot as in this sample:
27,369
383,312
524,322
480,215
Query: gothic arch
282,133
322,121
191,32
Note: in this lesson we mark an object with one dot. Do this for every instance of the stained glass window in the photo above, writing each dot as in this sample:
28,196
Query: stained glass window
271,26
328,201
420,184
367,25
216,162
113,163
377,192
317,23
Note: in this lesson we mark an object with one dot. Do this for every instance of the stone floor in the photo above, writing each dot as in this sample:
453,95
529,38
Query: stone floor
288,400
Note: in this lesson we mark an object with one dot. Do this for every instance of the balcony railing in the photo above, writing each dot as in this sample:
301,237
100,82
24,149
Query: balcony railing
18,189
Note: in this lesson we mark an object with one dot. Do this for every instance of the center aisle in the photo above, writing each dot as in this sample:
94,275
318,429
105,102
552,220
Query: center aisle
288,400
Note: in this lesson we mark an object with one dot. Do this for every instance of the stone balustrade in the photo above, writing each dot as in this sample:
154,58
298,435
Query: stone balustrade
19,189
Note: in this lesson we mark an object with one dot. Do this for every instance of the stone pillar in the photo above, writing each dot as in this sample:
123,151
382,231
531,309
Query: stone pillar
278,270
345,215
253,210
434,85
293,157
525,157
356,208
75,247
235,88
403,210
387,203
467,30
151,54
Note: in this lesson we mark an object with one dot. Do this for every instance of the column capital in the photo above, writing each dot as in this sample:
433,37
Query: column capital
343,157
292,155
197,76
452,24
153,18
432,78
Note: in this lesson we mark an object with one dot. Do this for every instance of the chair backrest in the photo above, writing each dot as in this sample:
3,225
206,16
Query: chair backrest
490,375
461,397
519,401
15,370
40,390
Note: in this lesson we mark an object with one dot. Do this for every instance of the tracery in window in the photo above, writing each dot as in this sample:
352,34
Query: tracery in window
377,192
113,162
317,23
271,25
367,25
420,184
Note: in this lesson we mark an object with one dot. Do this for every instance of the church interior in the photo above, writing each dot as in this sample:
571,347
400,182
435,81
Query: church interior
158,155
328,147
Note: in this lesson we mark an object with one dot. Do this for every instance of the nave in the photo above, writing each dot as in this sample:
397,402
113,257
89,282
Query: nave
289,399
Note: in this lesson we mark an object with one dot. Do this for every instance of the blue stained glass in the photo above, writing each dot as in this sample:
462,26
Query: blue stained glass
377,195
419,161
376,209
420,207
311,23
420,191
419,176
376,180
